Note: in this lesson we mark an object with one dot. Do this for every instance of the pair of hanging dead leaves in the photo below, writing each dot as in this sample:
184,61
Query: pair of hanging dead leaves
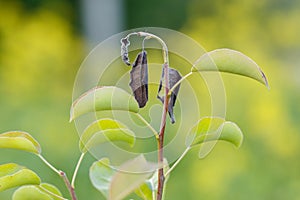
139,79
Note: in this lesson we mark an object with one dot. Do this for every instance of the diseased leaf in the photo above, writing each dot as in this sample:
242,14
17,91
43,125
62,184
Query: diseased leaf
124,50
35,192
214,129
231,61
174,77
103,98
19,140
13,175
139,79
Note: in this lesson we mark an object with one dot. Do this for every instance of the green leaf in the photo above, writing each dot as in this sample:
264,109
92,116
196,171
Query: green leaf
227,60
148,189
115,184
131,175
213,129
13,175
49,188
101,174
44,191
105,130
103,98
19,140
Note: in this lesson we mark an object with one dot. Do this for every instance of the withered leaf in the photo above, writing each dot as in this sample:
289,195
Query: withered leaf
174,77
139,79
124,50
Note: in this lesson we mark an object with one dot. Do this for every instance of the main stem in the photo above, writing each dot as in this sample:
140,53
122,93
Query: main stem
161,177
160,139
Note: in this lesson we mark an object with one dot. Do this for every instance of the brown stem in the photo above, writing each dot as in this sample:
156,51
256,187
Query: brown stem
160,139
161,177
69,186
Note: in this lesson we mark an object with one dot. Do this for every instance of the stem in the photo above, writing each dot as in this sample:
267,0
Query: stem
161,177
62,175
148,125
69,186
76,170
160,138
48,164
177,161
150,35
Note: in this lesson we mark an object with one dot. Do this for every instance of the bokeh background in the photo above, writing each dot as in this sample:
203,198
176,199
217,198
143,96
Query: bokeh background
43,42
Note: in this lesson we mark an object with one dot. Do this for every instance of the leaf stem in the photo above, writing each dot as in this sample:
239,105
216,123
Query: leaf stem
177,83
148,125
76,170
48,164
177,161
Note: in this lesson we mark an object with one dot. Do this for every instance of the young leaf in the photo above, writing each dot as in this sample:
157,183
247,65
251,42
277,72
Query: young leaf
214,129
44,191
13,175
109,135
101,174
19,140
139,79
51,189
115,184
103,98
227,60
131,175
105,130
148,189
174,77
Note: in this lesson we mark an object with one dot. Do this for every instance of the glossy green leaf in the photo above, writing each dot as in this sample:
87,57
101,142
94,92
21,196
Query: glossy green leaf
19,140
103,98
13,175
44,191
148,189
101,174
231,61
213,129
105,130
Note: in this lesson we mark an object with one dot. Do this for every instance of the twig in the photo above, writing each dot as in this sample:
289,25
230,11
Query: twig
148,125
177,161
62,175
69,186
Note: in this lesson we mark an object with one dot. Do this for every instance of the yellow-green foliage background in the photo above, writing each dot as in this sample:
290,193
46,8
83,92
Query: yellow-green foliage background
41,50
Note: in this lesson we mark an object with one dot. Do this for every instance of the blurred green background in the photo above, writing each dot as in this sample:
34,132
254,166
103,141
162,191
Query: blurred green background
43,42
